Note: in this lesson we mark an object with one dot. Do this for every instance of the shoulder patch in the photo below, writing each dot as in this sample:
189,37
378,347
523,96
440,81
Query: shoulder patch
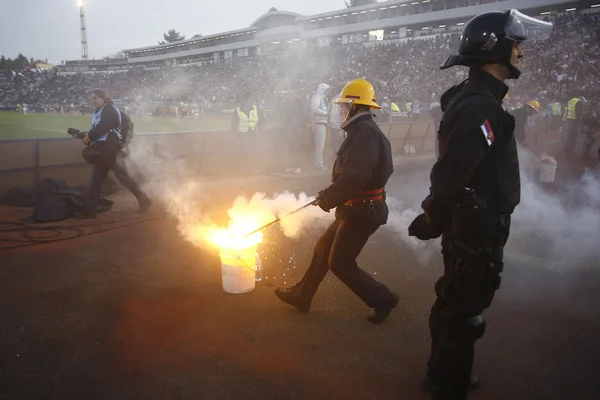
487,132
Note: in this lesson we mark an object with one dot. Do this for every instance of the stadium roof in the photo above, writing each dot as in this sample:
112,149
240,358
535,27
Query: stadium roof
275,14
286,16
276,28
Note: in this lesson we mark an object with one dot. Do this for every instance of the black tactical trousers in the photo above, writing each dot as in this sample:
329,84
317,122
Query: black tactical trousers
589,139
122,174
99,174
337,250
456,322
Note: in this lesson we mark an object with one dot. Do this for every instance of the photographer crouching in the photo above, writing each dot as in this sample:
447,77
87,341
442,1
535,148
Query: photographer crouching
105,151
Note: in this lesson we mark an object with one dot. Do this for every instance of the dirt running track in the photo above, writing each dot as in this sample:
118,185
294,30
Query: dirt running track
138,313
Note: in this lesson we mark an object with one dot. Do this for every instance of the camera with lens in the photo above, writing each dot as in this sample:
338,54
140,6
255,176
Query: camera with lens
76,133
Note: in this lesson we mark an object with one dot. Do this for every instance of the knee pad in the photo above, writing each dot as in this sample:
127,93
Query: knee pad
474,327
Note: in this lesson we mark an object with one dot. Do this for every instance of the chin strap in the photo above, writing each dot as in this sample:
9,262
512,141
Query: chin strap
513,71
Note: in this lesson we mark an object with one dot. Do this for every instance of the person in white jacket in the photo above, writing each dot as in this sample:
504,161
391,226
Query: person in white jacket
318,112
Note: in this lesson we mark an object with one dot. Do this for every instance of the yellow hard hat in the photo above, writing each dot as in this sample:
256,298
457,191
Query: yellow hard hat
358,91
535,104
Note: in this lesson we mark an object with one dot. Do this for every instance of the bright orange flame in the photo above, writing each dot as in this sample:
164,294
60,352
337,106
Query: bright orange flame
245,217
233,237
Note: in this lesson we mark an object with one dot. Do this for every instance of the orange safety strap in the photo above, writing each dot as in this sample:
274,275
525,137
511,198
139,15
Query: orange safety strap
367,195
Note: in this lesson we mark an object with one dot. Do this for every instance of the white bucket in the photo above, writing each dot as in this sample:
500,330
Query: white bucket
547,172
238,270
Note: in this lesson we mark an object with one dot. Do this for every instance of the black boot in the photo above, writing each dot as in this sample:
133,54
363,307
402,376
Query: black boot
380,314
290,296
428,384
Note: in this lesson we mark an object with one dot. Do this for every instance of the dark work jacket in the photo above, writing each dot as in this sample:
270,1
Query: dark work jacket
363,162
477,150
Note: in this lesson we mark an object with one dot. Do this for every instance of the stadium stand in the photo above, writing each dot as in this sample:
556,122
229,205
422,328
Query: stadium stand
403,69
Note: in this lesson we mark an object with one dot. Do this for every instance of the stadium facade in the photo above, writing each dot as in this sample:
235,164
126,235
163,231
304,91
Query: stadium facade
278,31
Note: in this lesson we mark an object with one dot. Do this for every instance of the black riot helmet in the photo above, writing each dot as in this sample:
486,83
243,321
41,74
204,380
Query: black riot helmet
488,38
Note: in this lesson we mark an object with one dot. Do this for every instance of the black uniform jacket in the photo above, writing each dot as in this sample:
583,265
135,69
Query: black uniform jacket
477,150
364,162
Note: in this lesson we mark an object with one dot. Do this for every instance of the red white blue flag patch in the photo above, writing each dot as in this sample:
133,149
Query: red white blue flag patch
488,133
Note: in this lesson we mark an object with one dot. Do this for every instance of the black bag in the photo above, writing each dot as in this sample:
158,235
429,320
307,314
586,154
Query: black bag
61,205
92,154
126,128
103,152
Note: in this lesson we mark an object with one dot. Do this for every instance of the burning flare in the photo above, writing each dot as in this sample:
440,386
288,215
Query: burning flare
245,216
233,236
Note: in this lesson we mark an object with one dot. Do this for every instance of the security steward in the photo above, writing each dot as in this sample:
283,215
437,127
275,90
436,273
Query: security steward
555,117
475,186
360,173
245,125
245,118
574,122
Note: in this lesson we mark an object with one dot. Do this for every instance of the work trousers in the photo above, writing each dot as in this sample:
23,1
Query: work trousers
320,133
99,174
337,250
465,290
573,128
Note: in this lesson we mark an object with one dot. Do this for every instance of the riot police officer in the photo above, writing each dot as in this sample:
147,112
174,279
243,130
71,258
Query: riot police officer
475,186
360,173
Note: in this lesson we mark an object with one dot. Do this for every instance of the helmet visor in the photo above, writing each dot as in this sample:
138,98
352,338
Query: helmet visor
520,27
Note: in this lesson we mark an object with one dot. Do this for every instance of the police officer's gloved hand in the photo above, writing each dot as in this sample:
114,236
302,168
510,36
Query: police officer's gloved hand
421,228
322,202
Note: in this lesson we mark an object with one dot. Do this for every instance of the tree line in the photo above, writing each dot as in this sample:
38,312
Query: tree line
18,63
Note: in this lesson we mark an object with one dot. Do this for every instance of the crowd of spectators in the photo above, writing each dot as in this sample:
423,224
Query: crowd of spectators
554,70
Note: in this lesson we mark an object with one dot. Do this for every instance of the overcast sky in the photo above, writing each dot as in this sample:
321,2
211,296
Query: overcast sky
50,28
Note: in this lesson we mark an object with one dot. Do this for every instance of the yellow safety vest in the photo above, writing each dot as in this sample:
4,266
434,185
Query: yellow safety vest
409,107
394,107
571,114
247,121
556,109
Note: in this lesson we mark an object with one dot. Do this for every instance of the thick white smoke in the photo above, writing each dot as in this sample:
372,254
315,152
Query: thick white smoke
399,220
562,226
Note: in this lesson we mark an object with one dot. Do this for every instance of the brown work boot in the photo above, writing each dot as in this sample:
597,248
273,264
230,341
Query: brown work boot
290,296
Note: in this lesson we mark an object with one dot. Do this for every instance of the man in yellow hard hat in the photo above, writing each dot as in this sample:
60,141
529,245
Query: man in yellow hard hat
360,173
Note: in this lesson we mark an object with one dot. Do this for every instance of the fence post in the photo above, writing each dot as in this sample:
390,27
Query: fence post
406,139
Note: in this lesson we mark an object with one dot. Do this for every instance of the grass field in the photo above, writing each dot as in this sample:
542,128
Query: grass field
15,125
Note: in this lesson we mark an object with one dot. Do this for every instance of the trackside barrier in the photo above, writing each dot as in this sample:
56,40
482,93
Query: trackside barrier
25,162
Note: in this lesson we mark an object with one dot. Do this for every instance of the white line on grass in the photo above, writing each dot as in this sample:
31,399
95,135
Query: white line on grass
44,129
